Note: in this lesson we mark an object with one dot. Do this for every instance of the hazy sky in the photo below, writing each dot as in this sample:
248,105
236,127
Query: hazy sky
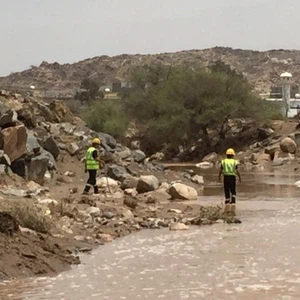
70,30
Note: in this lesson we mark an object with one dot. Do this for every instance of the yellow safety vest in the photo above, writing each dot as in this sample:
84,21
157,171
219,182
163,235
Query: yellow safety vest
229,166
91,163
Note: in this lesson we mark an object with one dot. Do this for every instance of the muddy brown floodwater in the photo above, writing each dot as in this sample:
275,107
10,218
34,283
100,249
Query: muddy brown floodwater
259,259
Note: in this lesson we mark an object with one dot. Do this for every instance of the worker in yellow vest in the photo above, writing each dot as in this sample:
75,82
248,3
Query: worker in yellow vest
92,165
229,170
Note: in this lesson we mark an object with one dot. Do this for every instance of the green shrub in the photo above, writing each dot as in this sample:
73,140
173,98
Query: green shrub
107,116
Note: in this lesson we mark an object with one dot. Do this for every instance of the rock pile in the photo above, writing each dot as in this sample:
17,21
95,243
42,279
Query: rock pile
35,134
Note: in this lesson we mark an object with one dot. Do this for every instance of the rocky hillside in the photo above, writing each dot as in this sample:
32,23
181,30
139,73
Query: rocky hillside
261,68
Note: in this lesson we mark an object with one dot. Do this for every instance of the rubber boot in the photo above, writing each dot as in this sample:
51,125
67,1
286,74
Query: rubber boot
86,190
96,190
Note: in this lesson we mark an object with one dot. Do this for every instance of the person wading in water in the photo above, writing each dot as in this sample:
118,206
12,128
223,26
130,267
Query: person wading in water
229,170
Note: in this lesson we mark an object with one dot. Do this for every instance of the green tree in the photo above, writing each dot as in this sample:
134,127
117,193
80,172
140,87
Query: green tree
90,91
107,116
179,105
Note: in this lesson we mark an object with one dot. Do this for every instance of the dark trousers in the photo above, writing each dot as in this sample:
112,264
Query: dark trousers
230,189
92,182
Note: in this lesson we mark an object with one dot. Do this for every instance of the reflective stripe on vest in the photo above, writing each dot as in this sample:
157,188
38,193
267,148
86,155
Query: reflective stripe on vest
91,163
229,166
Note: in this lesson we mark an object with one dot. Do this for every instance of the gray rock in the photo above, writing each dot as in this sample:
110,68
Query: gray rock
124,154
37,168
62,146
68,128
46,112
6,115
187,176
108,140
129,182
51,146
52,162
264,133
138,156
94,211
33,147
19,167
27,117
131,171
108,215
15,192
116,172
4,159
198,179
73,148
147,183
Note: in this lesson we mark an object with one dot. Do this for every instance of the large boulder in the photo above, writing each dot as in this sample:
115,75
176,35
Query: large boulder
265,132
129,182
125,153
27,117
6,115
138,156
19,167
45,112
15,141
116,172
73,148
33,147
182,191
37,168
51,146
287,145
147,183
108,140
61,111
50,157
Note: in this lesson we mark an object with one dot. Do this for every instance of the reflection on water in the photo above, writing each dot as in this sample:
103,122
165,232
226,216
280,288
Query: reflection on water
259,259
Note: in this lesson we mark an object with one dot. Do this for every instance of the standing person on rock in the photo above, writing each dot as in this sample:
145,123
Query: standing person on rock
229,170
92,165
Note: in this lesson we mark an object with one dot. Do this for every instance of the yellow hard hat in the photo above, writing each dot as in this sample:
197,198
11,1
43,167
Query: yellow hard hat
230,151
96,141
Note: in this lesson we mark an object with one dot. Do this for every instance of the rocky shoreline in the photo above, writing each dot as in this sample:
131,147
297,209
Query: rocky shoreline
45,222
